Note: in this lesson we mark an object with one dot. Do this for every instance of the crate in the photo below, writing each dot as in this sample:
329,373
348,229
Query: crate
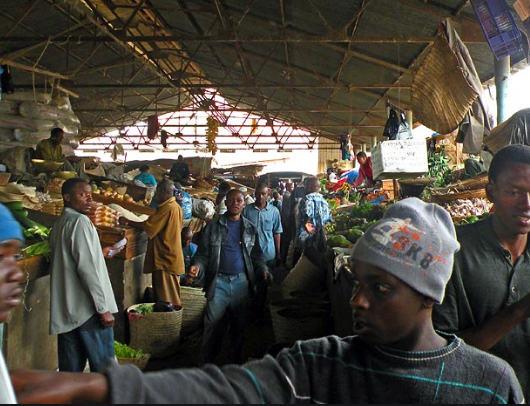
399,159
498,26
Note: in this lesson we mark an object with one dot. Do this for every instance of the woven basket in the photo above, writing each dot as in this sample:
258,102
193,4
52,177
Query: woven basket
301,324
440,93
304,276
193,306
139,362
468,194
157,333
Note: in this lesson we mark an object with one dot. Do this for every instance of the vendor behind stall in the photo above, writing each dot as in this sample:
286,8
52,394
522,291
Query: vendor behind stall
50,149
366,175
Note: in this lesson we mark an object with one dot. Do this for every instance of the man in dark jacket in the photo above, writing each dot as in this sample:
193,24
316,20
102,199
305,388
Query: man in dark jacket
233,262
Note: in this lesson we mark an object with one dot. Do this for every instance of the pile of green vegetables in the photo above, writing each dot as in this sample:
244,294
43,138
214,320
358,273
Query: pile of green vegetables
32,231
439,168
124,351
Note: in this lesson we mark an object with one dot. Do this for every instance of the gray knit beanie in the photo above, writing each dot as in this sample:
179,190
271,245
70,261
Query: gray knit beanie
415,242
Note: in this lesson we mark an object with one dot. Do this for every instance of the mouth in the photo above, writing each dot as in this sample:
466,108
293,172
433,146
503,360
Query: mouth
523,220
359,325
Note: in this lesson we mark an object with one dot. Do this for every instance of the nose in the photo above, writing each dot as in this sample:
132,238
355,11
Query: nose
358,299
525,199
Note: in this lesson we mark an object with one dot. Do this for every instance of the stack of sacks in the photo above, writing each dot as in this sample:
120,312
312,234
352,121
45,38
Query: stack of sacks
27,118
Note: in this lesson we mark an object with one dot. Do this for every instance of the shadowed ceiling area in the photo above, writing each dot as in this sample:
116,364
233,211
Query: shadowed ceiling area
327,66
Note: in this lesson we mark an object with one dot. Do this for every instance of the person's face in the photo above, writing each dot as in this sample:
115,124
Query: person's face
186,240
261,195
510,194
289,186
385,310
58,139
80,199
362,160
11,278
235,203
165,193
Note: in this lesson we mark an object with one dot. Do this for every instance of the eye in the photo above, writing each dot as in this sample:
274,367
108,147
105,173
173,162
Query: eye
380,288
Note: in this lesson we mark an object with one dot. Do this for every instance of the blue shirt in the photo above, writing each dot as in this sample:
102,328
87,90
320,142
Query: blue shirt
231,261
188,253
315,210
146,178
268,221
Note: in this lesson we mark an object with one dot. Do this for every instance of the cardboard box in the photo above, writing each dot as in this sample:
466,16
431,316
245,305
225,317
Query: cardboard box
400,159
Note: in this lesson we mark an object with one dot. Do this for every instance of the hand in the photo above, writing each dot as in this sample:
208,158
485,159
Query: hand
310,228
267,277
187,280
111,252
50,387
107,319
194,271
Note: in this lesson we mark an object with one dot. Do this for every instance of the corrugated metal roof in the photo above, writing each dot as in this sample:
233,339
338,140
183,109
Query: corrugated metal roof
326,65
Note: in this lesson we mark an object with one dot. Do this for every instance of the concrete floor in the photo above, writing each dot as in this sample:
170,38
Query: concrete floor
259,339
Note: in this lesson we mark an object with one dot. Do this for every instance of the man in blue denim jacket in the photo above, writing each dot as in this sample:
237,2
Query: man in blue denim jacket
233,262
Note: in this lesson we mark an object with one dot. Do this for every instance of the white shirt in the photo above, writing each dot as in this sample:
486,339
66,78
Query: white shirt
79,279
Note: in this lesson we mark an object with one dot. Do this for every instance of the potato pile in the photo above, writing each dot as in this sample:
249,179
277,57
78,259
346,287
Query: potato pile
102,215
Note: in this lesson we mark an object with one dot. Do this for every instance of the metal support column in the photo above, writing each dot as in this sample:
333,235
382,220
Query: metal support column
502,78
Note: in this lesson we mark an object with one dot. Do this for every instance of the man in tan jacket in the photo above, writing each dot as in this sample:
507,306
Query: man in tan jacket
164,258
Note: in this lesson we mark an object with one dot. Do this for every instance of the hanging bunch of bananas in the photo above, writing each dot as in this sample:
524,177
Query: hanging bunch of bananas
212,131
345,187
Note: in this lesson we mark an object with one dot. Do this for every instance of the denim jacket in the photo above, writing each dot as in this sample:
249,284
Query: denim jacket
209,253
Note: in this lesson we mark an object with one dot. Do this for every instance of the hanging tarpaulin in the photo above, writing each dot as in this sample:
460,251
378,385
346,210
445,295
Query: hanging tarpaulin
441,95
152,126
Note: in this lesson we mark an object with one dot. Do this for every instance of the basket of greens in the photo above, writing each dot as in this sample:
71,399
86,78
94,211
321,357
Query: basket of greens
127,355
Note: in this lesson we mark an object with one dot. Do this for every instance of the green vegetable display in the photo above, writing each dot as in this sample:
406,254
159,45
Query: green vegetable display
31,229
40,248
124,351
144,309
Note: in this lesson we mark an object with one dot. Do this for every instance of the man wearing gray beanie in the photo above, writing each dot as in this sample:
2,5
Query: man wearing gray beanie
400,267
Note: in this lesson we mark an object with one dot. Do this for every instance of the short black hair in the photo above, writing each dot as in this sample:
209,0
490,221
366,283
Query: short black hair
510,153
56,132
144,168
165,186
69,185
232,191
262,184
224,186
361,154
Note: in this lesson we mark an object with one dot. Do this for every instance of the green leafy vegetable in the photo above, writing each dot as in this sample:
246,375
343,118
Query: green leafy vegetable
144,309
124,351
40,248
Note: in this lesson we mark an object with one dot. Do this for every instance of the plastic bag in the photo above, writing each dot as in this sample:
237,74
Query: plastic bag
184,199
396,127
391,125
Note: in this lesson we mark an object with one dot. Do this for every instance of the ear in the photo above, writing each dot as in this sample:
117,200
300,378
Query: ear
490,192
66,198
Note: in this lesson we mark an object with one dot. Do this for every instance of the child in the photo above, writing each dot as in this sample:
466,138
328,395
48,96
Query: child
400,266
189,249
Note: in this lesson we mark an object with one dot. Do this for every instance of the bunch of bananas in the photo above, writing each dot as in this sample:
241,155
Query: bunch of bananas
212,131
345,187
